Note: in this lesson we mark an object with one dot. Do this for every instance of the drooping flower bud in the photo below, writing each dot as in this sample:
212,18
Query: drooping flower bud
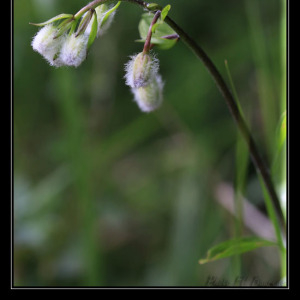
105,15
74,50
48,45
141,70
149,97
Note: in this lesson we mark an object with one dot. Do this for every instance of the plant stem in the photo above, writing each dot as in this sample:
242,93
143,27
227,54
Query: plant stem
231,103
147,44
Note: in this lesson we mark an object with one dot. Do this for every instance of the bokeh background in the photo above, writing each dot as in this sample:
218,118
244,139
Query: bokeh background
105,195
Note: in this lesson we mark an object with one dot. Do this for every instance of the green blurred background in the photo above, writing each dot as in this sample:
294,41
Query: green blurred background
105,195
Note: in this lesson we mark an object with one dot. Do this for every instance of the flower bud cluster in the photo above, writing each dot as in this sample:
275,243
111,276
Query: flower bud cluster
145,82
67,43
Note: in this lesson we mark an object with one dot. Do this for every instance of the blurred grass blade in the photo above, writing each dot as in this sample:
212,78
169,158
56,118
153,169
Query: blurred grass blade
242,161
268,100
277,165
235,246
242,152
281,132
241,168
272,215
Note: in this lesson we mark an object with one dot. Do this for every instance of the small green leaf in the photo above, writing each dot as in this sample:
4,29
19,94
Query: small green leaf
166,44
165,12
54,19
109,12
235,246
93,32
64,26
153,6
154,27
161,43
159,30
84,22
144,26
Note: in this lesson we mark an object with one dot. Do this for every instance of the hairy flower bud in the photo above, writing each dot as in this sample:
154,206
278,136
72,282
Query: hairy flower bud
149,97
105,15
74,50
140,70
48,45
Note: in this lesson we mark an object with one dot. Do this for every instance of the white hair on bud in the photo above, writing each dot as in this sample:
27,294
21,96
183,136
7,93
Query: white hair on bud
101,12
74,50
129,71
45,43
141,69
149,97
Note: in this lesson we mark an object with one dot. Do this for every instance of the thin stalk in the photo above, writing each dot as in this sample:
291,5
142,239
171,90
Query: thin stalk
224,90
147,44
242,157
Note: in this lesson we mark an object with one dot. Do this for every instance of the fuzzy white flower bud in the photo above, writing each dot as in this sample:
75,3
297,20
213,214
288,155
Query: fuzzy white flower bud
105,15
104,18
74,50
48,45
149,97
141,69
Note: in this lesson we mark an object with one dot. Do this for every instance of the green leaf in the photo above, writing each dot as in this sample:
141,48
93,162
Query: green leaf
161,43
153,6
65,26
165,12
161,29
282,131
93,32
235,246
54,19
109,12
278,165
84,22
154,27
144,26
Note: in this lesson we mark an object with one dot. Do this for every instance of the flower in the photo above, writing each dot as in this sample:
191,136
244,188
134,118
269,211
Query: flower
149,97
145,82
74,50
48,45
141,69
105,15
